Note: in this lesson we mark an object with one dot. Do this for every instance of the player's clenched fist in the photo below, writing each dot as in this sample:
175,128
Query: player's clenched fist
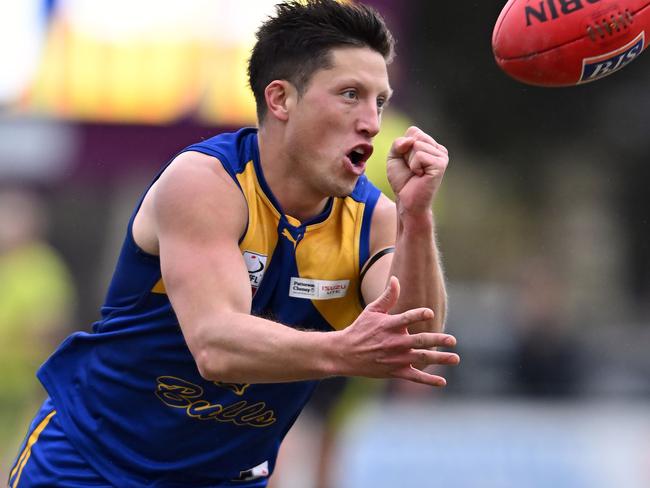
415,167
378,345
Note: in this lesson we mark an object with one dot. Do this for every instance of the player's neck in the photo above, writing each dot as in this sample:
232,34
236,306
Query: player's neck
296,199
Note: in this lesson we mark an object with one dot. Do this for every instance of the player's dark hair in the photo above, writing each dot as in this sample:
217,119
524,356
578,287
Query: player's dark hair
298,41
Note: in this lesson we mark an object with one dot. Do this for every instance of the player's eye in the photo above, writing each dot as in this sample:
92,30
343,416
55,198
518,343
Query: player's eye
350,94
381,103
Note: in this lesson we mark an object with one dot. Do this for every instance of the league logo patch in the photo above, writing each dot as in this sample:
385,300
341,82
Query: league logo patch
606,64
256,265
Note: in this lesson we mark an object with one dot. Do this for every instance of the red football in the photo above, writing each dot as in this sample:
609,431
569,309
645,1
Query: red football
569,42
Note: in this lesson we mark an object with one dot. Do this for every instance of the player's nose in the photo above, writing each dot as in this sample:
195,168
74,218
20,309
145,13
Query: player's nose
369,120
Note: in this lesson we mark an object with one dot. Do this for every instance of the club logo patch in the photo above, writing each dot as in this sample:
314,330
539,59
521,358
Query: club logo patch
256,265
606,64
317,289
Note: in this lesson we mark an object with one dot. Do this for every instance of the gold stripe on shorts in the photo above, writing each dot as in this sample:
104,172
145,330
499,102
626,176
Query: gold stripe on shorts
24,456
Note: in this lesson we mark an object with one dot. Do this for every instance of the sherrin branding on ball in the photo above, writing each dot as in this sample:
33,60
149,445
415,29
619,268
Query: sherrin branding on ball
569,42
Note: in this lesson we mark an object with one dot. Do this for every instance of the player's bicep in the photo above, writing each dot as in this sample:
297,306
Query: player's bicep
376,271
200,214
375,274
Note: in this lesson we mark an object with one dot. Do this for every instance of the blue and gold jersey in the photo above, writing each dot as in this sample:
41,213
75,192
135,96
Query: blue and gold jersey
129,395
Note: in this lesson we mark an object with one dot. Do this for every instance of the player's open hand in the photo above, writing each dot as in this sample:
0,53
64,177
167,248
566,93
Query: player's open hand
415,168
378,345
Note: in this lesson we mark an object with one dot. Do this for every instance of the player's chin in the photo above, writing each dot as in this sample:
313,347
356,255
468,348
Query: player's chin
343,187
345,190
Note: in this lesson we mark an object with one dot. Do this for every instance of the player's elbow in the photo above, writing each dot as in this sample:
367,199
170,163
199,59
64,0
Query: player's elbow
214,364
212,361
207,364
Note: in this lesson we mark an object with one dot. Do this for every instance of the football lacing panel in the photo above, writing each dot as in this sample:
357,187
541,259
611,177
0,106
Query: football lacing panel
610,26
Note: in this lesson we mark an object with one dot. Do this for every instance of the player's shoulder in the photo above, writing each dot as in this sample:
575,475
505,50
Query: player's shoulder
233,149
196,187
190,193
384,213
191,171
224,155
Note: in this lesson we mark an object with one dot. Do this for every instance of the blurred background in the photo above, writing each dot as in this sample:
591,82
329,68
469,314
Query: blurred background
543,225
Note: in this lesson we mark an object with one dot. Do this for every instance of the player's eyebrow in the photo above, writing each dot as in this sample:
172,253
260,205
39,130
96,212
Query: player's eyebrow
356,82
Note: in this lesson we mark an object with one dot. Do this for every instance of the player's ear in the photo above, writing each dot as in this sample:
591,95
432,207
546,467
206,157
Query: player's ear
280,96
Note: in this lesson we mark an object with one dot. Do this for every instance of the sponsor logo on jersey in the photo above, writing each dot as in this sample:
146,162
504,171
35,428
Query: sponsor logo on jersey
600,66
317,289
256,265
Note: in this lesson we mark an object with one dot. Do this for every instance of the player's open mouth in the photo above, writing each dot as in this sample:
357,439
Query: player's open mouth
358,157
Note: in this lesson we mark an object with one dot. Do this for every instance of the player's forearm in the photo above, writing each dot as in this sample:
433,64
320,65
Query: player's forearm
417,265
249,349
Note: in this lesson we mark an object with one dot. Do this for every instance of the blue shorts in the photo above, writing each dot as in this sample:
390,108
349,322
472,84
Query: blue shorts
46,457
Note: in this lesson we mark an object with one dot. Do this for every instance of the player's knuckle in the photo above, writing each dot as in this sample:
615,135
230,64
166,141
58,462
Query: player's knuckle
406,318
